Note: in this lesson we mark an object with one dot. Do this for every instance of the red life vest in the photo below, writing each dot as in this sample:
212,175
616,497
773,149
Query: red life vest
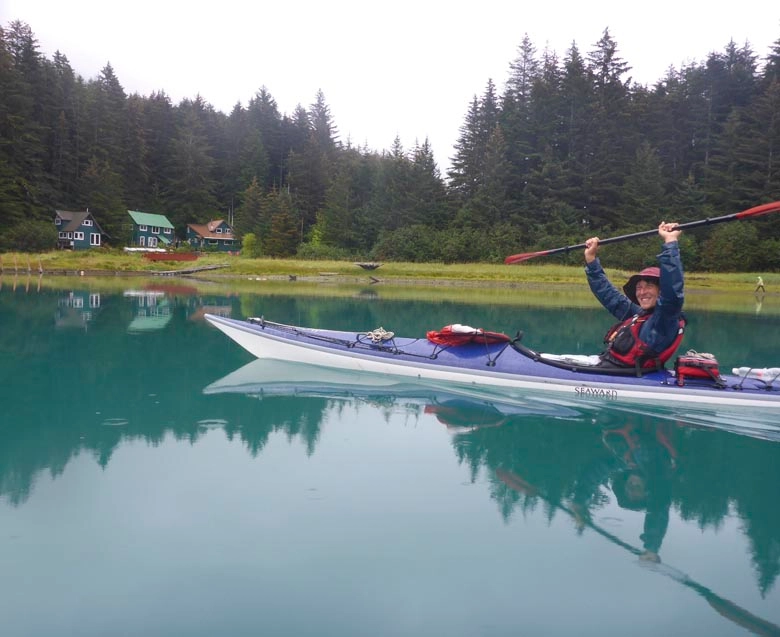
626,349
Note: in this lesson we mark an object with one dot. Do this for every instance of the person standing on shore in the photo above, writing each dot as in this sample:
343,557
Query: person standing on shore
760,285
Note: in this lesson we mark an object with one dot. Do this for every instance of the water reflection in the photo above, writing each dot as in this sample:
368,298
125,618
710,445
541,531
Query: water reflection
759,302
264,378
643,482
646,490
575,459
76,309
152,310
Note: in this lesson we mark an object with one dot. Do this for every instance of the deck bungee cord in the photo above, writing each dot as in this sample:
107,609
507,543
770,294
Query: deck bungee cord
382,340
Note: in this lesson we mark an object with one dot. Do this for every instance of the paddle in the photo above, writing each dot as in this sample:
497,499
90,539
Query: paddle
726,608
745,214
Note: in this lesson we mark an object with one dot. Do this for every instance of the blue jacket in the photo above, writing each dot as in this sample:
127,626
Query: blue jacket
660,330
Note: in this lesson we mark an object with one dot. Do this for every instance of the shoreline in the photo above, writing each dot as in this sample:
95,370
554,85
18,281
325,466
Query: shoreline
213,268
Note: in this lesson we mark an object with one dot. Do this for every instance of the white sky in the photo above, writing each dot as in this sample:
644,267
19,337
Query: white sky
387,69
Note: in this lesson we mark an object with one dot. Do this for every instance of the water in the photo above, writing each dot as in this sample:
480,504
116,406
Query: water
144,492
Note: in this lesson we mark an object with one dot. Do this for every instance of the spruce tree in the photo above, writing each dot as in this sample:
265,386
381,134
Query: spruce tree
248,214
283,235
190,190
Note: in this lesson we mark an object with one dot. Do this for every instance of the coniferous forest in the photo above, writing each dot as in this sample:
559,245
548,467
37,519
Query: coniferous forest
571,148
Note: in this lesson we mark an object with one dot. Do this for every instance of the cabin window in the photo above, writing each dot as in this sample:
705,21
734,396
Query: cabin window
166,231
142,241
152,242
155,229
78,236
94,300
70,235
219,230
94,239
142,227
87,222
58,222
63,235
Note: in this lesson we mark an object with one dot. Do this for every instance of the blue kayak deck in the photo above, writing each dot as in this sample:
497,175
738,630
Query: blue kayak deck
505,358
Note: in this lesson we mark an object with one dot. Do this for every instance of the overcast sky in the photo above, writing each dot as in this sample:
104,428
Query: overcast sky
401,68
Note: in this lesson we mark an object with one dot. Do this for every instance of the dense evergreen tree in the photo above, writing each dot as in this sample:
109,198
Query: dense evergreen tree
322,125
464,173
490,205
67,121
758,146
517,120
24,179
136,173
160,124
336,222
772,66
263,146
431,203
106,116
101,191
570,147
249,212
609,138
283,234
310,169
643,187
190,194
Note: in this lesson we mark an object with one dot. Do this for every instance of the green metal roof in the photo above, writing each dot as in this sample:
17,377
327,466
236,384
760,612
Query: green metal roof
149,219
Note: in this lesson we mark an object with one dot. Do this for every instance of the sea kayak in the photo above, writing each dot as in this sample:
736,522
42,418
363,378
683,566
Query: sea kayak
503,368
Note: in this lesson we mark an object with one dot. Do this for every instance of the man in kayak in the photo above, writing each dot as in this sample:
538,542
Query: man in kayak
649,310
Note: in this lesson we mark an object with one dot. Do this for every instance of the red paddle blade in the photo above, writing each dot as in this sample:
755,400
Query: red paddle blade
759,210
518,258
516,482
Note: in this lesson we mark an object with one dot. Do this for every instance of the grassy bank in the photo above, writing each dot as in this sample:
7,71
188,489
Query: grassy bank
529,274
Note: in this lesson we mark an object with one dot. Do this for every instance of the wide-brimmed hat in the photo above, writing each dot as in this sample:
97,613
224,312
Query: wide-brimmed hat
652,274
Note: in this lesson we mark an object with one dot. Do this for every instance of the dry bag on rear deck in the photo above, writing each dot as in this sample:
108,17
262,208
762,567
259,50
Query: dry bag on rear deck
695,365
457,334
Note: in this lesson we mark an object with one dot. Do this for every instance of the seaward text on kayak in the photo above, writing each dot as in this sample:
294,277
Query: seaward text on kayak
595,392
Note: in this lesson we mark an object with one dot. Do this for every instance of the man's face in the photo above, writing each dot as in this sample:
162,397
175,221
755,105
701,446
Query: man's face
646,294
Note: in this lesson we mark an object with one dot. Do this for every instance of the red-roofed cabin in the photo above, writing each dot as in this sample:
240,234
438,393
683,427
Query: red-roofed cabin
215,235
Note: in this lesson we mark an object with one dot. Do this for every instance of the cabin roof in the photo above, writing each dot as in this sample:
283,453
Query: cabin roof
150,219
73,220
208,230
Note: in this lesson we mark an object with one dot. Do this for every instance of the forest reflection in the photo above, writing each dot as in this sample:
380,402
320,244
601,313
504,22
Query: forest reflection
86,374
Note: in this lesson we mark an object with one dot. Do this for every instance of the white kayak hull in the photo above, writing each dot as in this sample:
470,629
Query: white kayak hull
319,347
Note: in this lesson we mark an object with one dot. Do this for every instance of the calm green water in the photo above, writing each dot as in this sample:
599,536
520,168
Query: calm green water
141,494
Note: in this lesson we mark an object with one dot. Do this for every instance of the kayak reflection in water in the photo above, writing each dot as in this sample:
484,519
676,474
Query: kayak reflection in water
640,470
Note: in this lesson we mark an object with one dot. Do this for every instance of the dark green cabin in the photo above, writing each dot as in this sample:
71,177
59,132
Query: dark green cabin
151,230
